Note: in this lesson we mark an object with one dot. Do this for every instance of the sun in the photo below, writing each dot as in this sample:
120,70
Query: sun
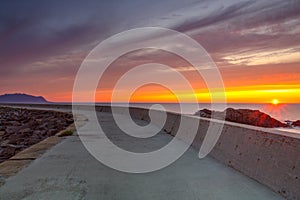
275,101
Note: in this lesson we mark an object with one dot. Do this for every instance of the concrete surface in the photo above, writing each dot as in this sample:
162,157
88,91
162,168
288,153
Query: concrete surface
269,156
68,171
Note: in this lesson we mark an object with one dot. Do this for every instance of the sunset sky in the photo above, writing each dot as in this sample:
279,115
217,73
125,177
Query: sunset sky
255,45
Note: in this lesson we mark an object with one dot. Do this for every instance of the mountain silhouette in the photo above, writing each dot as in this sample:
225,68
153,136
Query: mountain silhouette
21,98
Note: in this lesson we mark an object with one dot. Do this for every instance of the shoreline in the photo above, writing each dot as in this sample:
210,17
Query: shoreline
68,106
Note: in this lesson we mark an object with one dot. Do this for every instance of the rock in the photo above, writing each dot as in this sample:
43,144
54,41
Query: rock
69,121
37,132
243,116
10,130
25,130
15,123
33,141
39,121
4,143
8,152
296,123
44,126
51,132
288,122
14,139
204,113
2,133
252,117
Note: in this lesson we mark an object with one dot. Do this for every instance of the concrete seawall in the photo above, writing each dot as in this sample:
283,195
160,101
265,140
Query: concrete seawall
269,156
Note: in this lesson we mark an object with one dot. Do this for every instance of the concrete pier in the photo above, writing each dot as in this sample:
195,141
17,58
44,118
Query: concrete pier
244,164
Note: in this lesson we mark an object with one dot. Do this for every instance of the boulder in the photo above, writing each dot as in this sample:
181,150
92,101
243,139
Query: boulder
2,133
51,132
204,113
15,139
296,123
10,130
25,130
4,143
8,152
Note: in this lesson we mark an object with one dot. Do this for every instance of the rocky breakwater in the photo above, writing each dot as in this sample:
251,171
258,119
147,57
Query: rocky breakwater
296,123
243,116
21,128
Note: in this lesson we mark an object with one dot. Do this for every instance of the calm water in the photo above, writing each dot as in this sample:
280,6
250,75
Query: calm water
281,112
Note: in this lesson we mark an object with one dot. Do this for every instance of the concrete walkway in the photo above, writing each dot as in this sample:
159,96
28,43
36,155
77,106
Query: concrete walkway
68,171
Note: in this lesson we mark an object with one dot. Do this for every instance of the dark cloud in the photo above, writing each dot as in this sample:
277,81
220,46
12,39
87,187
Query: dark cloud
32,31
251,26
217,16
244,14
38,31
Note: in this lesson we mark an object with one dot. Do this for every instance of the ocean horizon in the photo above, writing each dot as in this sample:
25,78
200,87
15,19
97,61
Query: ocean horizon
281,112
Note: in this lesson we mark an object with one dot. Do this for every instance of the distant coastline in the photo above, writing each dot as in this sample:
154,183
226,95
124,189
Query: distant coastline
285,113
281,112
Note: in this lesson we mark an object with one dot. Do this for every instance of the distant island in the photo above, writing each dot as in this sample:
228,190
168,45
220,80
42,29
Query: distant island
21,98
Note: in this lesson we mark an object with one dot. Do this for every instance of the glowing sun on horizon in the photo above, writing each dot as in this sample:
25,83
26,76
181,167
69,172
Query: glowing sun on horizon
275,101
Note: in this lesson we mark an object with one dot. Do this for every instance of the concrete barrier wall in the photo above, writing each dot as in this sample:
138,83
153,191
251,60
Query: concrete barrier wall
269,156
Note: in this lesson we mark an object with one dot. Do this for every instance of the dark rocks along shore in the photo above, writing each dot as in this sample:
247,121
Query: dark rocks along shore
243,116
296,123
21,128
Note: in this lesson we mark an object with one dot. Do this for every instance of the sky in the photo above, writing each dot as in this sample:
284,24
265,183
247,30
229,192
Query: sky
255,45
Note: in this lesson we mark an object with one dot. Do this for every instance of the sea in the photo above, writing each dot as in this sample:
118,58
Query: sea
281,112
